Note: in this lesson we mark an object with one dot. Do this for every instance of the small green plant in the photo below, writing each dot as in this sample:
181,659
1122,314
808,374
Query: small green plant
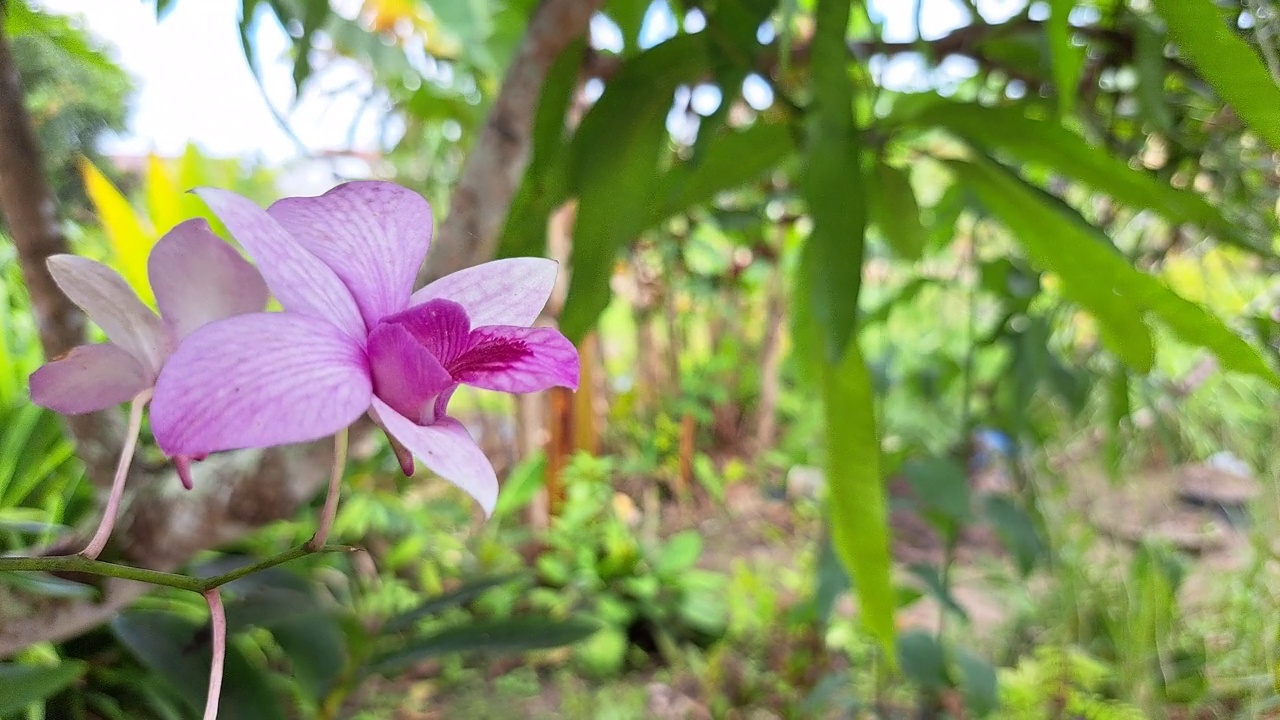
1061,682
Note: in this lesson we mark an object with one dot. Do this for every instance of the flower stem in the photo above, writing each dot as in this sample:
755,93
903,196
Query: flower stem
219,620
330,510
112,509
81,564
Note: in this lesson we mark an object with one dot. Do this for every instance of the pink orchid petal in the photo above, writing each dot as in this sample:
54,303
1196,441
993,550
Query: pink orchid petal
517,360
299,280
446,448
405,375
88,379
502,292
373,234
259,380
441,326
109,301
198,278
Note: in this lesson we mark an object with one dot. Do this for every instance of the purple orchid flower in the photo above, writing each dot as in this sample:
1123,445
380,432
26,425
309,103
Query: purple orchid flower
197,278
355,338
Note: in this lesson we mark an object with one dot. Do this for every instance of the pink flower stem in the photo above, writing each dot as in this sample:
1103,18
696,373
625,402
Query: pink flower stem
330,510
108,522
219,620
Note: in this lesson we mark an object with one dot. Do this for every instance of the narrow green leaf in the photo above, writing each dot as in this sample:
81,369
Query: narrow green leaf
859,515
829,184
465,594
1148,57
893,207
1090,271
523,482
516,635
1016,530
1008,130
1227,62
978,683
613,162
1065,56
24,685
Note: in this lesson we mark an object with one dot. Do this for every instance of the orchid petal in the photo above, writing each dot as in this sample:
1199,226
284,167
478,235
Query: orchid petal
299,280
517,360
374,235
405,375
446,448
502,292
87,379
198,278
109,301
259,380
441,326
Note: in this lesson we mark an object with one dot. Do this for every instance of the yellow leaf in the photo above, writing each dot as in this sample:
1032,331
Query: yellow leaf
130,242
164,200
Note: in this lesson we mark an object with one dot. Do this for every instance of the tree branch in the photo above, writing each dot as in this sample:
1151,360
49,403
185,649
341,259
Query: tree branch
479,204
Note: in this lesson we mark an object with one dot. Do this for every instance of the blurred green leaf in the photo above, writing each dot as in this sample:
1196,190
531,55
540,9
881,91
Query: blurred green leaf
893,208
1016,530
613,161
515,635
1148,57
923,660
521,485
1227,62
732,159
940,486
460,596
628,15
24,685
831,174
931,578
978,683
680,553
47,585
859,515
1065,56
317,652
178,650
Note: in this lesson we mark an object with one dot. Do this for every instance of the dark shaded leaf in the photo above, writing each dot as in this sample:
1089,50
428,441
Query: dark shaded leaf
178,650
931,577
317,652
1016,530
24,685
941,487
977,682
515,635
893,207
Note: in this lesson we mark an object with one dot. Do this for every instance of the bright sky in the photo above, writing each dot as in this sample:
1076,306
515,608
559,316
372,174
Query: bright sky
194,84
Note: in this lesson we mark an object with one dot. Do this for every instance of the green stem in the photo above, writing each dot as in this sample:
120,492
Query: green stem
81,564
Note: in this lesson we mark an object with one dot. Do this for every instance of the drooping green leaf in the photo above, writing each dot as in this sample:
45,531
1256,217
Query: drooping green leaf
1232,67
931,578
1065,56
1090,271
24,685
1008,130
893,207
859,514
178,650
514,635
613,161
829,184
1060,241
